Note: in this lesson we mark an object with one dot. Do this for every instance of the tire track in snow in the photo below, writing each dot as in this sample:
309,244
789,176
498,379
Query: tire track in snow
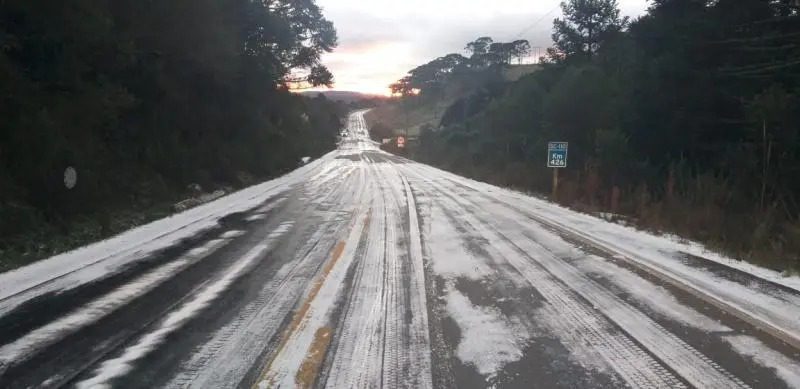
301,338
420,344
358,358
770,311
411,346
785,368
87,264
376,345
237,345
399,347
117,367
39,338
567,318
570,318
490,338
692,365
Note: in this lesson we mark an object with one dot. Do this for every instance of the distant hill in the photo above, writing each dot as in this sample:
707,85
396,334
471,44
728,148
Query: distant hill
343,96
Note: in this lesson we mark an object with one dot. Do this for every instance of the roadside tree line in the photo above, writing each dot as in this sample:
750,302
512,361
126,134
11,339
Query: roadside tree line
142,98
686,119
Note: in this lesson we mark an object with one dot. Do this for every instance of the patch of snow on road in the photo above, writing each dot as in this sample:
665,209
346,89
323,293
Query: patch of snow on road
271,205
448,255
786,368
289,357
488,340
95,310
775,308
89,263
420,356
119,366
654,296
664,248
255,217
624,236
232,234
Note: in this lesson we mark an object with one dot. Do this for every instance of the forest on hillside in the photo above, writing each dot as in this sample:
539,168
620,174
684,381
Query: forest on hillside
684,120
140,98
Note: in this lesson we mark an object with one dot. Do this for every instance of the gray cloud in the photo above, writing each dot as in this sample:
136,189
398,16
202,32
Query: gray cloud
420,30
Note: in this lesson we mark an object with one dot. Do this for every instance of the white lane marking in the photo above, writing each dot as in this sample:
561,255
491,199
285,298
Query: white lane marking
118,367
97,309
787,369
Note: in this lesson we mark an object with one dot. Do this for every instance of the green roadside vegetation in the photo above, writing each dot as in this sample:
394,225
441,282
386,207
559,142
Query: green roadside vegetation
685,120
143,99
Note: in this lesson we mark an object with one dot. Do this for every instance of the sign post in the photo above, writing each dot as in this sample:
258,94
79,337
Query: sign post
556,159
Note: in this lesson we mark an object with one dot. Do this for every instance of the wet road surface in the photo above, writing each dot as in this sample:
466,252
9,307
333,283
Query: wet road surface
364,269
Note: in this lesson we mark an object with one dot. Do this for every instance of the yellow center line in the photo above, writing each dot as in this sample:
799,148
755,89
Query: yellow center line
307,374
304,308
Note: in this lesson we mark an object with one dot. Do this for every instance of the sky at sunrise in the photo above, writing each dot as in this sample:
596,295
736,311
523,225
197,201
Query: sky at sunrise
380,40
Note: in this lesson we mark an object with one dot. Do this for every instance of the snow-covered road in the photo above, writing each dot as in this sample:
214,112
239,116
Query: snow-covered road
364,269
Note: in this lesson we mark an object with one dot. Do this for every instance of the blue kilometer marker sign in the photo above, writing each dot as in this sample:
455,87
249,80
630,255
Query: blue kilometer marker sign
557,154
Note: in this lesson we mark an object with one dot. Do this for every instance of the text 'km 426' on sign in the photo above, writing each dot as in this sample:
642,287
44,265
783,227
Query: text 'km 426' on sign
557,154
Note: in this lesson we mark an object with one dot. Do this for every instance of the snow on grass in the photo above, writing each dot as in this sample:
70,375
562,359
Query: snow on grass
488,340
786,368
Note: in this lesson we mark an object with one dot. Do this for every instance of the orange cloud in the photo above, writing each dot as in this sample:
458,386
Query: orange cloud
369,67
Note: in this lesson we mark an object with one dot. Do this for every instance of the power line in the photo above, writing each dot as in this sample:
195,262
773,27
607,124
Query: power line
526,29
536,51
